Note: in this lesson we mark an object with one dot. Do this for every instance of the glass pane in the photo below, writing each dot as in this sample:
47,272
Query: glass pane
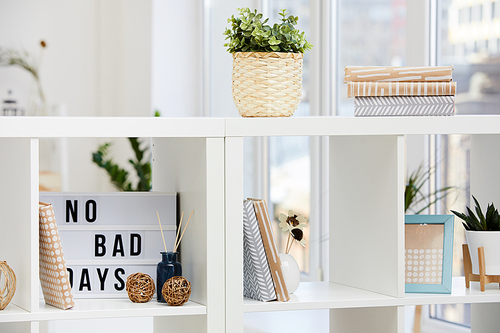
453,313
290,189
371,33
468,40
454,171
289,156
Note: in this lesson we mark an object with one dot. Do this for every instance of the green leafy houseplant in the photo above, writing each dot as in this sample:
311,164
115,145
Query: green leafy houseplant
414,195
481,222
249,33
267,64
119,176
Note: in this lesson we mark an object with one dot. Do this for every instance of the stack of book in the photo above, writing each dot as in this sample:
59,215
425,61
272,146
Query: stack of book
401,91
263,279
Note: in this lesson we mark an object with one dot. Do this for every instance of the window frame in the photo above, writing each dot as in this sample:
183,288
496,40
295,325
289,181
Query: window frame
433,325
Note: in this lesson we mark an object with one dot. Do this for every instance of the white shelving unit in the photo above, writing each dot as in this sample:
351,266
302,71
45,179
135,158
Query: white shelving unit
188,159
202,160
367,166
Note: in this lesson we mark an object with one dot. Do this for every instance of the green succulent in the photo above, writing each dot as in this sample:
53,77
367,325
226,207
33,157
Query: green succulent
488,222
249,33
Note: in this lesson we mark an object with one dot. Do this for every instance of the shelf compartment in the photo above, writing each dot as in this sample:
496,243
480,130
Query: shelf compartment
322,295
367,212
325,295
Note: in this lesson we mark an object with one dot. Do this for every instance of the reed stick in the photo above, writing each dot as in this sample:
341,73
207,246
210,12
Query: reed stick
290,247
183,231
287,242
178,230
161,229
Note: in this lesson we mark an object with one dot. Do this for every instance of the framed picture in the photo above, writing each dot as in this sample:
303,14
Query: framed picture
428,253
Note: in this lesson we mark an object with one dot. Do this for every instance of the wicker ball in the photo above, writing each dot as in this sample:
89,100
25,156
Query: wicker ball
8,287
140,287
176,290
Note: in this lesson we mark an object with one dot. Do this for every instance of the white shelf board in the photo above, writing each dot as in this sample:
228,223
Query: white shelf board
71,127
310,126
325,295
101,308
322,295
117,308
14,313
459,294
85,127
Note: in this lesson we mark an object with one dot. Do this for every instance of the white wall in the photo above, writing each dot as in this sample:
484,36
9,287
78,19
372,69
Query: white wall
177,57
220,67
97,63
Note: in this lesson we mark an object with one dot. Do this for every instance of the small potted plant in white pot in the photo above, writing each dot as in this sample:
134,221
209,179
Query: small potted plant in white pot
267,64
483,231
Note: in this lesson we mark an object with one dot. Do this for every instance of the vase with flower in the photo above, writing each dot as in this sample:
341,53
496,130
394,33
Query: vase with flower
293,225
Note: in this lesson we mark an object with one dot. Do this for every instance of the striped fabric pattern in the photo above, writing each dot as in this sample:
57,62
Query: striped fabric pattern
404,106
257,281
382,89
380,73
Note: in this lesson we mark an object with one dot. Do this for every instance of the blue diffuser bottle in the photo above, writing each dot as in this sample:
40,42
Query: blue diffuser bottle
167,267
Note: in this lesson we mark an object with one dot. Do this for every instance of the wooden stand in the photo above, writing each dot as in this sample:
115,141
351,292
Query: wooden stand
482,277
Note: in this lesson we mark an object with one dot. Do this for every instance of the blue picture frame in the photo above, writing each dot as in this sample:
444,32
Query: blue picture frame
447,263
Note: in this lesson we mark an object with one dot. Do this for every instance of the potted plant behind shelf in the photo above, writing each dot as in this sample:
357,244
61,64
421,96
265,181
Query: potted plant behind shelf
416,201
267,64
482,231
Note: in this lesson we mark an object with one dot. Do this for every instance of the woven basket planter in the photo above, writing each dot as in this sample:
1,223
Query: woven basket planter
267,84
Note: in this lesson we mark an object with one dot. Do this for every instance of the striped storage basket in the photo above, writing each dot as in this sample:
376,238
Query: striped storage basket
267,84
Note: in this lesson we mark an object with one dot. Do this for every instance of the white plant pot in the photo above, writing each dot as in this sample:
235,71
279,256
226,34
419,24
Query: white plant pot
291,272
490,240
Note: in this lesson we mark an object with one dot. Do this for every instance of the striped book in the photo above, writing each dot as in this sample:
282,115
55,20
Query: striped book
381,73
404,106
381,89
271,248
257,280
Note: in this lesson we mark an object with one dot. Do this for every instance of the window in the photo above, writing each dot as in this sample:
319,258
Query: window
378,26
289,157
477,75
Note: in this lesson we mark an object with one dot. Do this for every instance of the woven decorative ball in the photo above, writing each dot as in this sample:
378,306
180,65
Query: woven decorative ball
140,287
267,84
8,286
176,290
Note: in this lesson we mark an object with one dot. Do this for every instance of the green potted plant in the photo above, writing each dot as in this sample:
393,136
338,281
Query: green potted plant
482,230
267,63
416,200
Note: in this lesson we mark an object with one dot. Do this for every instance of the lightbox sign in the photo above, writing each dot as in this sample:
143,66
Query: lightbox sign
106,236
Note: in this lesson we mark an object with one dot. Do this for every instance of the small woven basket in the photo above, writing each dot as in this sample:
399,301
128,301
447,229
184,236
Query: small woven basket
267,84
8,287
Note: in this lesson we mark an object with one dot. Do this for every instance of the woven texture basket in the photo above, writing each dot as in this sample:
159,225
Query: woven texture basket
267,84
8,288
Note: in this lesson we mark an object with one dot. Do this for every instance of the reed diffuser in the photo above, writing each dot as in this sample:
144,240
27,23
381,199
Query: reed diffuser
169,265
